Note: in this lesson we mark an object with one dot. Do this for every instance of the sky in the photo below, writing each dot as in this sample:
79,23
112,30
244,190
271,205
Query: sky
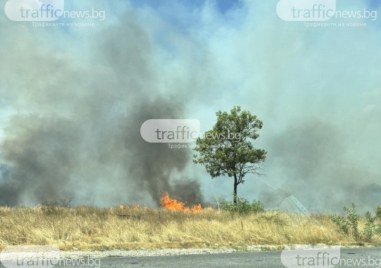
72,99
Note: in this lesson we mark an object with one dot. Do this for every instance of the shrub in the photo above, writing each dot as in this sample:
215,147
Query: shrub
370,226
353,219
378,213
243,206
349,222
341,222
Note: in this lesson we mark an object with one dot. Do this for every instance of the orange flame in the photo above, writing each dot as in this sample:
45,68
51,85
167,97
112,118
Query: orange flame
174,205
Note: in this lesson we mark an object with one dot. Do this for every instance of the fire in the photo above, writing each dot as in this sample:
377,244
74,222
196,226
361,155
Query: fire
175,205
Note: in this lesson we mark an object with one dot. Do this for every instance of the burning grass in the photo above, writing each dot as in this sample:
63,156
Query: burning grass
175,205
124,227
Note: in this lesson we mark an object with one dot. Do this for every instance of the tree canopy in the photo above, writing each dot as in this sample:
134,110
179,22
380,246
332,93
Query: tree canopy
227,149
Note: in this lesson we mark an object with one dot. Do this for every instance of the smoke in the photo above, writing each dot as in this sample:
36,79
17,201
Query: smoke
153,165
317,168
74,131
318,100
73,100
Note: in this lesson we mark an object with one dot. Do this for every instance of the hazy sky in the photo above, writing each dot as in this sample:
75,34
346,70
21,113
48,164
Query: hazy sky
68,94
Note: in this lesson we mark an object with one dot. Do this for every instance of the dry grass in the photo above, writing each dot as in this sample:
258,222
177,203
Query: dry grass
88,228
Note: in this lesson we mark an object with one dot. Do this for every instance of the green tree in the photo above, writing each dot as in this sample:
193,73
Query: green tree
227,149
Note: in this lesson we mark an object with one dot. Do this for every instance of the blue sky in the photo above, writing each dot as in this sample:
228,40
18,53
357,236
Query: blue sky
374,3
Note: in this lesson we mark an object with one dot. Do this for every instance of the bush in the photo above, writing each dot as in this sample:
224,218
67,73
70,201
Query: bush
353,219
370,226
243,206
349,222
341,222
378,213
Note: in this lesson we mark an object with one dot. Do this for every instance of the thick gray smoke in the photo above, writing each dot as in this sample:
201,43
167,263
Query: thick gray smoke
76,135
316,166
72,101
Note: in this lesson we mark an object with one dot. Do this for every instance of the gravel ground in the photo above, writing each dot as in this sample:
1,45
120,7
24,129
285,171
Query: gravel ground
178,252
143,252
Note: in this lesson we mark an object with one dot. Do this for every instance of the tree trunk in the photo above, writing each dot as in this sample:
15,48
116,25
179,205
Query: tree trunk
235,189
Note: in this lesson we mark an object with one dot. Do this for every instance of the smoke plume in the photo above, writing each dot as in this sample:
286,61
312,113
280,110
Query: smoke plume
72,100
75,135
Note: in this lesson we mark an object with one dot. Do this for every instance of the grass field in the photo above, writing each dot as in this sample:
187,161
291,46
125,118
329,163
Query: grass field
122,227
